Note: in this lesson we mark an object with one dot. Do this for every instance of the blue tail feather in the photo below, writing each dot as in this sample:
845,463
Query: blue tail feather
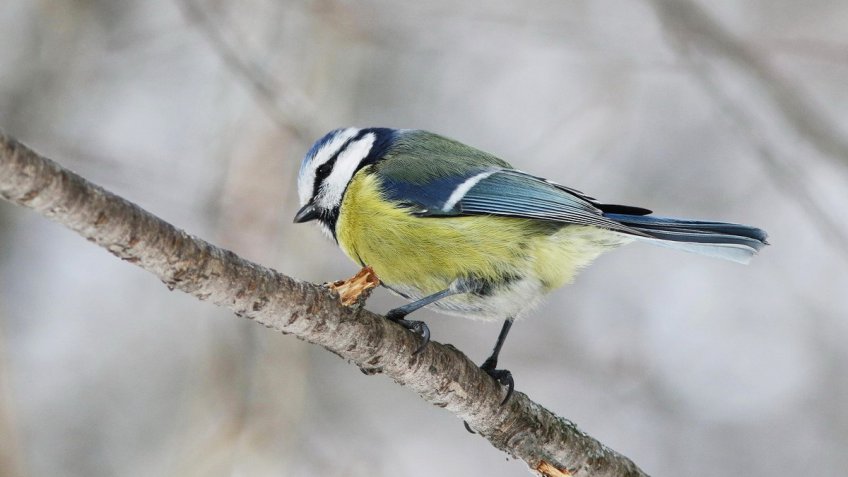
734,242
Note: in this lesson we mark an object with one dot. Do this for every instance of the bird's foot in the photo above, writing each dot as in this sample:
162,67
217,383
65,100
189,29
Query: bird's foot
418,327
501,376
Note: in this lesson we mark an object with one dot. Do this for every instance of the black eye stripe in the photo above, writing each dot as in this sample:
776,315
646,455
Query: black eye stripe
326,168
383,138
322,173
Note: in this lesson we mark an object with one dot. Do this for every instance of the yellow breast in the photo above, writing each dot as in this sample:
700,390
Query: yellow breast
428,253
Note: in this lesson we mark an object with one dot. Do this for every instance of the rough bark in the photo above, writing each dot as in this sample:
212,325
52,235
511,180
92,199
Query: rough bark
441,374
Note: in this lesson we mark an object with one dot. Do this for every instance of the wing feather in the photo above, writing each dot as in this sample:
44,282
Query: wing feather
505,192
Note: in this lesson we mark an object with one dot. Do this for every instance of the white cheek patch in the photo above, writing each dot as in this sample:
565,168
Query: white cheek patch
306,179
346,164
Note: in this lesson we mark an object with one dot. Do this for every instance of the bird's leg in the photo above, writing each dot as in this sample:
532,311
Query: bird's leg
502,376
419,327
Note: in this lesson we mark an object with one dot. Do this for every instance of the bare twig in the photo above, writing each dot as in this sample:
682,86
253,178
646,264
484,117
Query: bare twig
695,31
441,374
280,107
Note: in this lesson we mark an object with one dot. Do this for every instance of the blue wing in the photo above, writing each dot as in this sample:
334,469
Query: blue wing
500,191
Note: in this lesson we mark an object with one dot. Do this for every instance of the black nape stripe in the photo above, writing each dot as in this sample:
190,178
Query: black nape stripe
384,139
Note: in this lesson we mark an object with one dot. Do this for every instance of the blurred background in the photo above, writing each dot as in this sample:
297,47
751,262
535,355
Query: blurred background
200,111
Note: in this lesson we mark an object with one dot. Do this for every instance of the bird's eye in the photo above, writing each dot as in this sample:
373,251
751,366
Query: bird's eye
324,169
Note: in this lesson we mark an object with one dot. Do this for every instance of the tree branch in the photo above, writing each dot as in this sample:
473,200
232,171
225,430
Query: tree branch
272,99
694,29
441,374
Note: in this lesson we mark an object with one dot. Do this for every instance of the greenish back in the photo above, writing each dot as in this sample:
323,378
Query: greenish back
420,156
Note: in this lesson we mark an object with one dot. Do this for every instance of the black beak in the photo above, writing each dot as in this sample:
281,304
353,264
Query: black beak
306,213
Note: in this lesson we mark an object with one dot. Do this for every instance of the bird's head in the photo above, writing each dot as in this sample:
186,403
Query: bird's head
329,166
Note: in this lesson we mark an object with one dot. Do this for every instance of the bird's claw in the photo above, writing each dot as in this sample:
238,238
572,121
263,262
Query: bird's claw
418,327
501,376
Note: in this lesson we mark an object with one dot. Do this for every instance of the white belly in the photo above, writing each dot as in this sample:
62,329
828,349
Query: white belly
510,301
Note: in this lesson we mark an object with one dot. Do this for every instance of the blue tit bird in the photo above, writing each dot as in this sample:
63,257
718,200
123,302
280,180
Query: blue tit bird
461,231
